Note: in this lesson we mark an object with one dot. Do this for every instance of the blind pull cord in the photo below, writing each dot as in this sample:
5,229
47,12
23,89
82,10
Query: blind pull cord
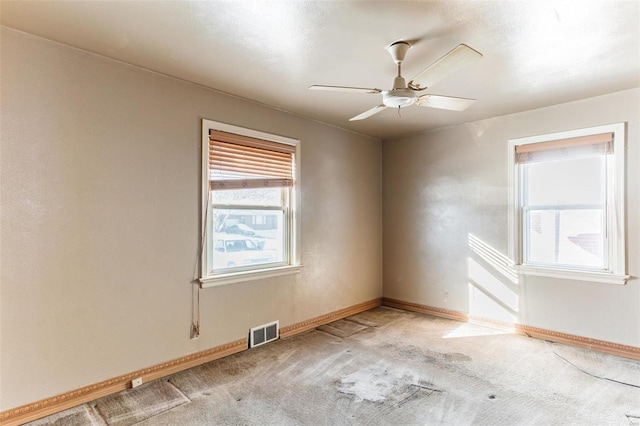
195,292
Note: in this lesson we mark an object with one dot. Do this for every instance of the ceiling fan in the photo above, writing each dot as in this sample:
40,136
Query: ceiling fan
404,95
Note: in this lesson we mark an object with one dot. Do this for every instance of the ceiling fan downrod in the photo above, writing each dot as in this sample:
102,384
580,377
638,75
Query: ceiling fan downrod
399,96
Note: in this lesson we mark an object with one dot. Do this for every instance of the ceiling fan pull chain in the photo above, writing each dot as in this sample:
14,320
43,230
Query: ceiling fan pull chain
399,115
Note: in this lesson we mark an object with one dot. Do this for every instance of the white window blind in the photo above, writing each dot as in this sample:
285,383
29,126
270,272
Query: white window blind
237,161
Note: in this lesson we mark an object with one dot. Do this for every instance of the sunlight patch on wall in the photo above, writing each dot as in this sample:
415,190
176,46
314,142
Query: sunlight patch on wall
483,305
492,286
493,257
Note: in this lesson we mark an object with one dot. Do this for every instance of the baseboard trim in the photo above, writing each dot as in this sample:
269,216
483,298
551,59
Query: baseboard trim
301,327
55,404
539,333
424,309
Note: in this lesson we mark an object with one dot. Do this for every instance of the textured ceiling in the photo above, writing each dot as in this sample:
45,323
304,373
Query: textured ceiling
536,53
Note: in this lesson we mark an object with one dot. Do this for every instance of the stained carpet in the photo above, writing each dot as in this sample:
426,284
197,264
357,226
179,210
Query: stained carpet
391,368
82,415
343,328
135,405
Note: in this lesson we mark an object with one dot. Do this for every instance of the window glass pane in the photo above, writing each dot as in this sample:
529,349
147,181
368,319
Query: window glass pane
565,237
248,197
576,181
247,237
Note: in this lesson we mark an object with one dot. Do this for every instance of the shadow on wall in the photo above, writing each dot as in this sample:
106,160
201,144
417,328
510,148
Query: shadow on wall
493,283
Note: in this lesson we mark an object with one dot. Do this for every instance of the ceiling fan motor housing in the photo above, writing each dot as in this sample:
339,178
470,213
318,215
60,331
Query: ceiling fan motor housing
399,98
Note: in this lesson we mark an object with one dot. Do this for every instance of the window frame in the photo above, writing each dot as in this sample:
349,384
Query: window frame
292,232
615,225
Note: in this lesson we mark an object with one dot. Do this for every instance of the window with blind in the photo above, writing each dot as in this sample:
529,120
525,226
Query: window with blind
567,205
250,197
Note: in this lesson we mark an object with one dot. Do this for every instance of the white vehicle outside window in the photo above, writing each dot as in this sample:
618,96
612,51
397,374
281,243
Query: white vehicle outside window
250,199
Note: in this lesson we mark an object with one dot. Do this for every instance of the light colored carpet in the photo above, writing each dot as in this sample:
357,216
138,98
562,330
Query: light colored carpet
402,368
82,415
377,317
343,328
135,405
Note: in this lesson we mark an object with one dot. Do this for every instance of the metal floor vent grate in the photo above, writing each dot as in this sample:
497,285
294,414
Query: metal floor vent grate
264,334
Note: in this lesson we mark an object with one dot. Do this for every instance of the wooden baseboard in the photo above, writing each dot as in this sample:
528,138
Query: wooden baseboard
303,326
539,333
55,404
423,309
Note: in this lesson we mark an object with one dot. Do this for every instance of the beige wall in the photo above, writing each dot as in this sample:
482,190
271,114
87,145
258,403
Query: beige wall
100,220
441,186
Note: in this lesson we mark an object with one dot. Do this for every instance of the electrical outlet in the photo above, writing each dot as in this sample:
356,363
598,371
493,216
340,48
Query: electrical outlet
136,382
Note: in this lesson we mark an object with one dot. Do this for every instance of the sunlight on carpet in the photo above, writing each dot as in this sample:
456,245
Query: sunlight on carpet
470,330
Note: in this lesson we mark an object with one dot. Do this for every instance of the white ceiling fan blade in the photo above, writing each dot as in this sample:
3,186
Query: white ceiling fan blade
368,113
453,61
344,89
444,102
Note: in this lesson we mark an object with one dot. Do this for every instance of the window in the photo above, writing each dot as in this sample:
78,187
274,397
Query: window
250,195
567,204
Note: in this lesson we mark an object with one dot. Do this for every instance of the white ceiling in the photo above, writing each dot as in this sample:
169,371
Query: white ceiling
536,53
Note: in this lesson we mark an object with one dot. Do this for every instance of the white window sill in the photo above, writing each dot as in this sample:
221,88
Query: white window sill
236,277
568,274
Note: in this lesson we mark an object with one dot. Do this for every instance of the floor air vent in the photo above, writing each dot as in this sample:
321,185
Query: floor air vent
264,334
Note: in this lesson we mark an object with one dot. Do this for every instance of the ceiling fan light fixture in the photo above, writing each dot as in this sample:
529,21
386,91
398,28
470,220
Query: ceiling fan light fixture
399,98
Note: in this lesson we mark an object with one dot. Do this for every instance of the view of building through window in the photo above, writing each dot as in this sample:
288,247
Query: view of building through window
564,204
567,204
